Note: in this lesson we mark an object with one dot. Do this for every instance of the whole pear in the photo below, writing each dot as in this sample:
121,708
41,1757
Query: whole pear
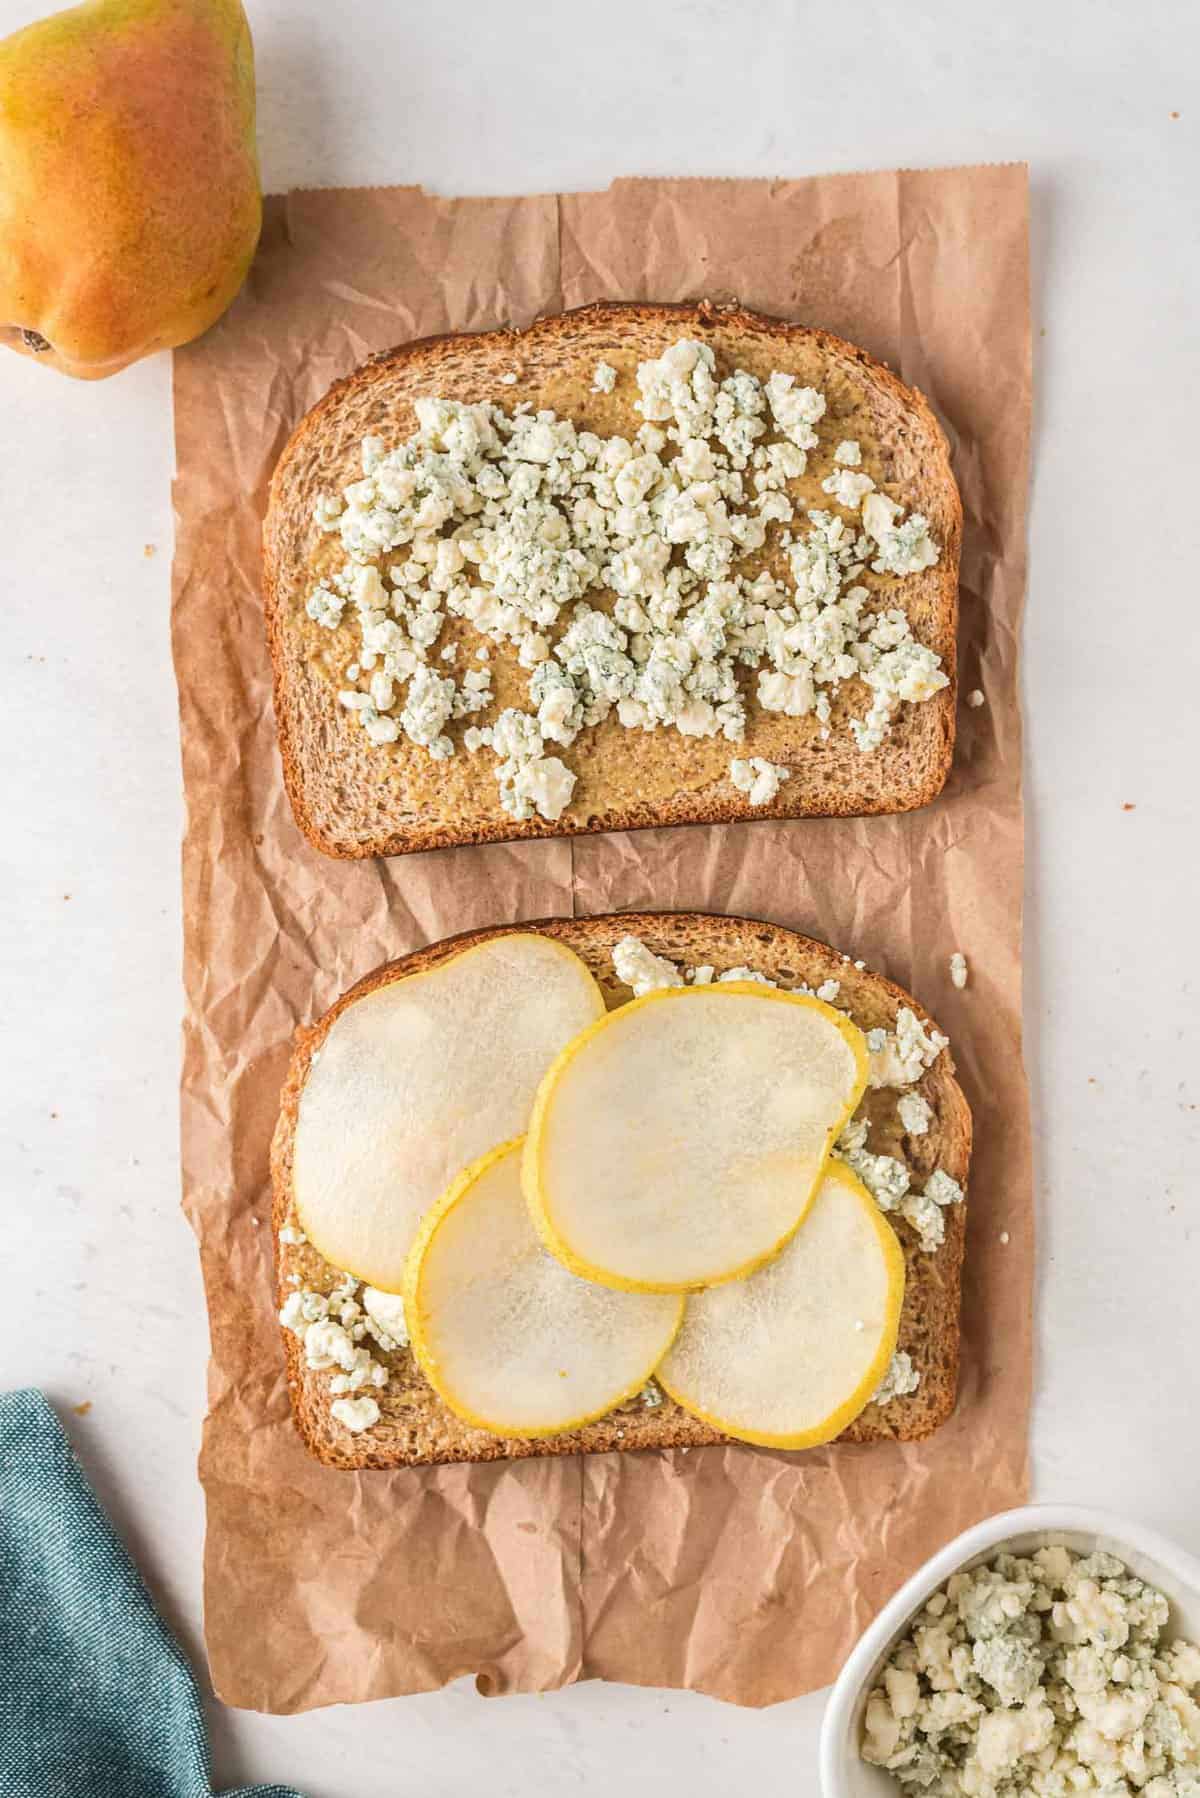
129,194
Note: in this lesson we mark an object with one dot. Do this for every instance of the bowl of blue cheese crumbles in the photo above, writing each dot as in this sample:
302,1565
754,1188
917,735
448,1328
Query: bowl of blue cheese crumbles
1048,1652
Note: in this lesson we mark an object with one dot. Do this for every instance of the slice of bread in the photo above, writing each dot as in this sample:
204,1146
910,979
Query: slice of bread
354,798
415,1428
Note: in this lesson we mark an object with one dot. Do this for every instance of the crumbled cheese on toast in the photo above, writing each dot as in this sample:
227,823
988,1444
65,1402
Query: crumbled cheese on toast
900,1379
333,1326
355,1414
900,1057
638,967
512,520
759,779
915,1114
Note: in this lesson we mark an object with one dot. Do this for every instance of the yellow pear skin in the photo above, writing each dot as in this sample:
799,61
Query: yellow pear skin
130,204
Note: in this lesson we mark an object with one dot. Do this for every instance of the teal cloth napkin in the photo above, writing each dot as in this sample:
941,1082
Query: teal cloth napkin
96,1699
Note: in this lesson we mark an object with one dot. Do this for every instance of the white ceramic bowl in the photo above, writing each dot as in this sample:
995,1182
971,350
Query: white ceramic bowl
1151,1557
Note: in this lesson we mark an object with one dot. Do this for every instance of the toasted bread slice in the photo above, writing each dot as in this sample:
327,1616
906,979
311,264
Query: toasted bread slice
415,1428
355,798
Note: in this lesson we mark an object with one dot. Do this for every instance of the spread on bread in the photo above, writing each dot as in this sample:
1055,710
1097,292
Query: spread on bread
1040,1676
552,1206
518,523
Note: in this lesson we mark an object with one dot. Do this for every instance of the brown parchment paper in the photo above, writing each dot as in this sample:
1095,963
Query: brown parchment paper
740,1572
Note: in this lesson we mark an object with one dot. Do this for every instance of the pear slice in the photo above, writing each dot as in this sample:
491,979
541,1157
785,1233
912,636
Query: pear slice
510,1340
789,1357
418,1077
679,1140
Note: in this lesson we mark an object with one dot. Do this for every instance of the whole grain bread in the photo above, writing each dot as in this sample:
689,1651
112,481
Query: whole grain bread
353,798
415,1428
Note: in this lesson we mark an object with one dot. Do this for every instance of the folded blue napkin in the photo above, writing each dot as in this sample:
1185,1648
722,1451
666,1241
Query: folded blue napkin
96,1699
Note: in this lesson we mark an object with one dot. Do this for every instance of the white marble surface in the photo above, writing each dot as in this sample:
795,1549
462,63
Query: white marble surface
103,1301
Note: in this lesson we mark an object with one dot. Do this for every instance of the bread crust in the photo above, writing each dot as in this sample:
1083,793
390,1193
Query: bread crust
352,799
416,1429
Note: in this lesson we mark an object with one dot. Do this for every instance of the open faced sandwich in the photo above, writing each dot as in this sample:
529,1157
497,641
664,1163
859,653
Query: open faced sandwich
654,1180
636,565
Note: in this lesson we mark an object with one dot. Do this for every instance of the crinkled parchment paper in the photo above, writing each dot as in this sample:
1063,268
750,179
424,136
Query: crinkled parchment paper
739,1572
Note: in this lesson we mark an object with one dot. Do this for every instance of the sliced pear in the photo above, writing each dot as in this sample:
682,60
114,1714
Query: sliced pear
511,1341
679,1140
789,1357
419,1077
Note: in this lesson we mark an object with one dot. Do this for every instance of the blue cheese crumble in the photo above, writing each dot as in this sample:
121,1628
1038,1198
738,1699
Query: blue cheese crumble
757,778
900,1379
889,1182
333,1328
384,1316
915,1114
639,968
900,1057
513,520
1040,1676
886,1179
848,487
355,1414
